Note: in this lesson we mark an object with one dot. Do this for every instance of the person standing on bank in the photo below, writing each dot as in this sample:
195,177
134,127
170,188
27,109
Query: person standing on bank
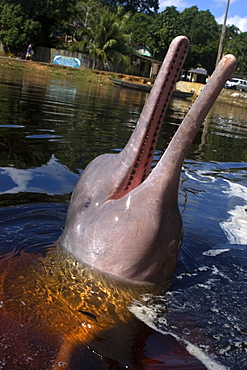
29,52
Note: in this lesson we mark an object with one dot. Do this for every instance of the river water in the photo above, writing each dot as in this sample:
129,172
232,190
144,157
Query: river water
50,129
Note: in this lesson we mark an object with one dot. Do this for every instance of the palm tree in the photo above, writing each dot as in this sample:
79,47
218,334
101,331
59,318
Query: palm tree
238,47
105,37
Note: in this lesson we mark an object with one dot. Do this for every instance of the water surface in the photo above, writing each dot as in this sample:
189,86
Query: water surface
50,129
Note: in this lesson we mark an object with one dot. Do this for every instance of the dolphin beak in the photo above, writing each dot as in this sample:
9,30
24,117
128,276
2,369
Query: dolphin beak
135,160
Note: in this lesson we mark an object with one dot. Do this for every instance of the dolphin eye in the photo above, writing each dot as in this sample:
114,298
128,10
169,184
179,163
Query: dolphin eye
86,202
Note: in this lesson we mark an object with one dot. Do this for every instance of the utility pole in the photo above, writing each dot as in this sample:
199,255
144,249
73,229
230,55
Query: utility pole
223,31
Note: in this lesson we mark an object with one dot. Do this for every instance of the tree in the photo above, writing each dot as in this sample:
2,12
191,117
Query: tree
33,21
139,26
231,32
164,29
237,45
17,30
199,26
203,31
105,37
133,6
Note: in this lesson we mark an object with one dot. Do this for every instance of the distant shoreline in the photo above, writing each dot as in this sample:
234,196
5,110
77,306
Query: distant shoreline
59,71
40,68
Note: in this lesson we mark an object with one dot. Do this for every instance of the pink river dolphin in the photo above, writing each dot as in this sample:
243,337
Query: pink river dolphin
123,219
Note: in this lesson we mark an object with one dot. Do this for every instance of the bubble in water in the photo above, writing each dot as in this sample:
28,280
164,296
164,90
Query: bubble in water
62,364
186,331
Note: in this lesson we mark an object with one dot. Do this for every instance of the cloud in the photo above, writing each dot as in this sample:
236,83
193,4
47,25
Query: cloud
240,22
223,2
179,4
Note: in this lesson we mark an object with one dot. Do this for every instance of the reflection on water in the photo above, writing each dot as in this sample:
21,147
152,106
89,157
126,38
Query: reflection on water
50,129
225,133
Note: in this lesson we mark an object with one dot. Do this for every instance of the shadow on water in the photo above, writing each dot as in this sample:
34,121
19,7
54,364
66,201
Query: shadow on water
54,309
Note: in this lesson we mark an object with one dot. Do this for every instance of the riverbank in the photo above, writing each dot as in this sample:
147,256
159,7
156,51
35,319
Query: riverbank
226,96
56,70
50,69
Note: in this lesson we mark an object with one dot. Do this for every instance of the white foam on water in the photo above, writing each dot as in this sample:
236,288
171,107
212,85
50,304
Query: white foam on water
214,252
235,227
201,176
236,190
148,316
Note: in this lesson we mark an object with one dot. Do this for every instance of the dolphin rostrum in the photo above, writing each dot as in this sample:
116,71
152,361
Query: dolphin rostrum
124,220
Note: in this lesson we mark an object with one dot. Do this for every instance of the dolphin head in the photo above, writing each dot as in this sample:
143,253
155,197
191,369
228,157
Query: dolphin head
123,219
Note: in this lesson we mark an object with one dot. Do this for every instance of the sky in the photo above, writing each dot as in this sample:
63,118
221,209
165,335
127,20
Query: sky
237,13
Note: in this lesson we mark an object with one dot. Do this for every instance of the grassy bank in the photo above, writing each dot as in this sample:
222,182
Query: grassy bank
55,70
51,69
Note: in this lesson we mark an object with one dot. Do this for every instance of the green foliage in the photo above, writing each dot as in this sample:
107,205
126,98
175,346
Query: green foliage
165,27
139,26
32,21
231,32
133,6
16,28
203,31
237,45
104,37
199,26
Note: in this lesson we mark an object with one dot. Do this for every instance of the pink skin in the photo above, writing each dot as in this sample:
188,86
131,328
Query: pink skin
124,220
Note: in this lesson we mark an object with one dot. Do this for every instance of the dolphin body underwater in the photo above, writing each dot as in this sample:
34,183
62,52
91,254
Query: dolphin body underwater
121,239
